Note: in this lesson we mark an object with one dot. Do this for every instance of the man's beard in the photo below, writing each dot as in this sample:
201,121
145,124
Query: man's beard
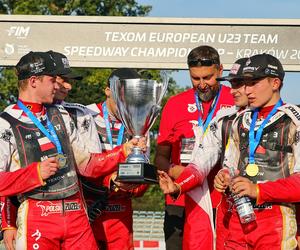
207,96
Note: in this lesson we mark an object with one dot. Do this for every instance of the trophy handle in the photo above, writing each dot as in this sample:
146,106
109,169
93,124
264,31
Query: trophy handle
165,83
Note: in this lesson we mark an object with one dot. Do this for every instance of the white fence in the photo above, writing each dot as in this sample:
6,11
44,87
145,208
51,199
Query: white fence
148,230
148,225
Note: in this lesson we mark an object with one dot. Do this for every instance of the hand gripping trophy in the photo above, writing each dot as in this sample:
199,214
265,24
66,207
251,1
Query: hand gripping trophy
138,102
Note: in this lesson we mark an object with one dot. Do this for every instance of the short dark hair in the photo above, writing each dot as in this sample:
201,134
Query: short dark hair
203,55
124,73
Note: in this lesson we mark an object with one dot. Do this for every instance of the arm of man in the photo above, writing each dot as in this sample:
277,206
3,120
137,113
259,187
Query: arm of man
281,190
162,157
204,157
21,180
8,222
287,189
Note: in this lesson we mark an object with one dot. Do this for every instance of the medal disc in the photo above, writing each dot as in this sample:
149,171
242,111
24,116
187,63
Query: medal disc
62,160
252,169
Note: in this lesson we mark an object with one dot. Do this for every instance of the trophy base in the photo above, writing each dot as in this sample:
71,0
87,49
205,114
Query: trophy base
137,173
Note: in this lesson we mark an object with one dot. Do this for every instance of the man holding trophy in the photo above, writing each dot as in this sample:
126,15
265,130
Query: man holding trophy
117,121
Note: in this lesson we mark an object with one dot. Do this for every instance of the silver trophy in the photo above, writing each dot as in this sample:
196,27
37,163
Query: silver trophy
138,102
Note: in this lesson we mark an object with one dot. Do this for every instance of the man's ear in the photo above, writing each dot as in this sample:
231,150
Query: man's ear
107,91
276,83
32,81
221,69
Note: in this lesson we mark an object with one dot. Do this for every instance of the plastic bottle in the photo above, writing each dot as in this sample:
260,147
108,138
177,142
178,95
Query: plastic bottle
243,205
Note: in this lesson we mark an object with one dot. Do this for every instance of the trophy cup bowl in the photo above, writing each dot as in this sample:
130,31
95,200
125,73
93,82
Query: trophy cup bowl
138,102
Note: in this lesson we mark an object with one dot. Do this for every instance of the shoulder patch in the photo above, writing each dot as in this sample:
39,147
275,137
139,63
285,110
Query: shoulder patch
293,111
93,109
77,106
226,112
61,109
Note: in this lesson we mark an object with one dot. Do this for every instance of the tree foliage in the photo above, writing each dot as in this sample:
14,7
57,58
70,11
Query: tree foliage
74,7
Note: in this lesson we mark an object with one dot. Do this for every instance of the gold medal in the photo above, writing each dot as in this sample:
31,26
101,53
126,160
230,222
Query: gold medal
252,169
62,160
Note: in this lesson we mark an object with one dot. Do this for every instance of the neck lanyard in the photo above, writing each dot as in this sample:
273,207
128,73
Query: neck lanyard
107,127
211,113
51,134
254,138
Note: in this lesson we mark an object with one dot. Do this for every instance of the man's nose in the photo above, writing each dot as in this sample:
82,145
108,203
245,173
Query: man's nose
248,90
56,85
202,83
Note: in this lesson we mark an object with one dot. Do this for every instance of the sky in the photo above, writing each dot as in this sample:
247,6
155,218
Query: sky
277,9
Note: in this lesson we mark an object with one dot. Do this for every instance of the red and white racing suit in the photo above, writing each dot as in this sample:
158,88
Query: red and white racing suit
208,151
113,230
174,128
278,161
53,215
85,125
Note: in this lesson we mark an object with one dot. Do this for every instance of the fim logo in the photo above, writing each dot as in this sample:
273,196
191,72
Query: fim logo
9,49
19,32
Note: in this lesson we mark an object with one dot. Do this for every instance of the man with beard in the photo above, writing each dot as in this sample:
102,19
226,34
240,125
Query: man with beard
208,150
194,108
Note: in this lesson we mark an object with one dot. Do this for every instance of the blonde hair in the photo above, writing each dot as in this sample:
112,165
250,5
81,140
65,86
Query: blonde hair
22,84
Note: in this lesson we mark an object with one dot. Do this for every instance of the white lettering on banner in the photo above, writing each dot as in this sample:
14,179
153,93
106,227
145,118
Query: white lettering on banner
159,52
280,54
95,51
248,38
159,37
20,32
229,38
123,52
125,36
261,38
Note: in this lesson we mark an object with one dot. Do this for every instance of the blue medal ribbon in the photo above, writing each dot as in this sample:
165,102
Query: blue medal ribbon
254,138
107,126
51,134
211,113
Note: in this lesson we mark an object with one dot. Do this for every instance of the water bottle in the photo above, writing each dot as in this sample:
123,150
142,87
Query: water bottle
243,205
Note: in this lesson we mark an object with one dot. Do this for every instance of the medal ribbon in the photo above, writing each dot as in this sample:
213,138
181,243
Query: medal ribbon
254,138
51,134
211,113
107,127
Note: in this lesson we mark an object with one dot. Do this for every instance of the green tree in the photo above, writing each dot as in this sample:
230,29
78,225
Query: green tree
75,7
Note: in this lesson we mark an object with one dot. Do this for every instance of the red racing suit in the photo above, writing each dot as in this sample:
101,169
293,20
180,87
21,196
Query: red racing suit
54,214
113,229
174,128
208,151
10,181
278,161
